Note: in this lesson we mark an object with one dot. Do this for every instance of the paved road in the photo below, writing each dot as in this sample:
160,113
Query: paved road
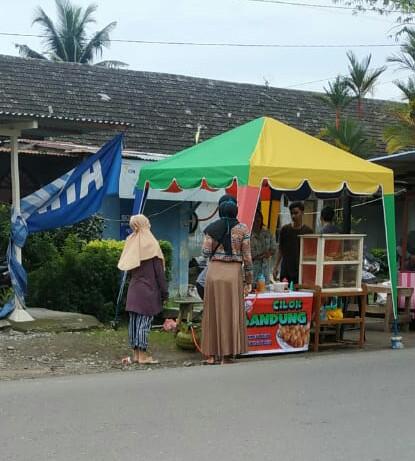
358,406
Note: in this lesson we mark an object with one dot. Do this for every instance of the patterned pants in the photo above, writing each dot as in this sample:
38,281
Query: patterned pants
138,330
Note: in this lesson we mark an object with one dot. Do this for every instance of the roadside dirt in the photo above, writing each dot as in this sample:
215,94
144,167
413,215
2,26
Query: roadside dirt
32,355
39,354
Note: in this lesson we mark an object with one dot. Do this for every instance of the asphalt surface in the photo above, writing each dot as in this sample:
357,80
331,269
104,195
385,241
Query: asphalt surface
355,406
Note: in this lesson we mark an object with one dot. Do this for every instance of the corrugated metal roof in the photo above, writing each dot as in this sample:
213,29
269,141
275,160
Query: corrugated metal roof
62,117
402,164
68,149
400,156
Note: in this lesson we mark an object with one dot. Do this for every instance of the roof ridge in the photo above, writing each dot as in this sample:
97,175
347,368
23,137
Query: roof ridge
101,69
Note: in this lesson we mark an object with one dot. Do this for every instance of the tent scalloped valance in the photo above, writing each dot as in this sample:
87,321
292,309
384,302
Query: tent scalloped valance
267,149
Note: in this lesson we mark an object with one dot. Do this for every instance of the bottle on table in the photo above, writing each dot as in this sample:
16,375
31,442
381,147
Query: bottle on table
260,283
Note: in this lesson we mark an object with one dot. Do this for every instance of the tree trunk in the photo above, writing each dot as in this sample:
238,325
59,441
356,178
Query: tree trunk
359,107
337,119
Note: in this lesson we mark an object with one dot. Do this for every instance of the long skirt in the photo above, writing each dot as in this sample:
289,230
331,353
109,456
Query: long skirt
223,323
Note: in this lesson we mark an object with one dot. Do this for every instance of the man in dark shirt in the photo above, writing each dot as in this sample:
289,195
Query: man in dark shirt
327,218
289,244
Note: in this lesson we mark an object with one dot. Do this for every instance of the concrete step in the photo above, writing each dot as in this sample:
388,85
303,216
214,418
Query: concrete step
46,320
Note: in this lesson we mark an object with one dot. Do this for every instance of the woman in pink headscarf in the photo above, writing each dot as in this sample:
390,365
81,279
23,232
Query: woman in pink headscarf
147,292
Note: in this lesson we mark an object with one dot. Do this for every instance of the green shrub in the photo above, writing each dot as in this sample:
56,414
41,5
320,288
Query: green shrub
54,284
4,228
86,230
82,277
167,249
42,246
71,269
98,277
39,249
381,254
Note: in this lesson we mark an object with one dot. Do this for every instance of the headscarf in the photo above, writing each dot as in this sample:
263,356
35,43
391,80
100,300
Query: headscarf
259,213
141,245
221,229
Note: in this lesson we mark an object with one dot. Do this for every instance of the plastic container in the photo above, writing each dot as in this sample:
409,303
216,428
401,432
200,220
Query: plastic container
396,342
260,283
279,286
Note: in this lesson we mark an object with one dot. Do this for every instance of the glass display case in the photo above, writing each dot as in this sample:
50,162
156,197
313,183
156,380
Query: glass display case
331,261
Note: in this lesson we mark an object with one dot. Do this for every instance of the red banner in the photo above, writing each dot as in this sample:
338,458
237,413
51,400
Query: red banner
278,322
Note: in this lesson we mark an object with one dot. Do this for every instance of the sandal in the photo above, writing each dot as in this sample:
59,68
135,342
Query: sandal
208,362
149,361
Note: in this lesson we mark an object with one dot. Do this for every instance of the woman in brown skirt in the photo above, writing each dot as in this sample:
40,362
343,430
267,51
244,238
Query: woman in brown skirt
227,245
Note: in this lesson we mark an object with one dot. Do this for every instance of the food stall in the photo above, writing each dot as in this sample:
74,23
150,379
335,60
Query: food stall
266,158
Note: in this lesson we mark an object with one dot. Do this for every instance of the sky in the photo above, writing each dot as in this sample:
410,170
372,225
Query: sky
228,21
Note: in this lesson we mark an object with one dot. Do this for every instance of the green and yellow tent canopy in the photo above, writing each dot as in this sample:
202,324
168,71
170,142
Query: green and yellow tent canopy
267,152
267,149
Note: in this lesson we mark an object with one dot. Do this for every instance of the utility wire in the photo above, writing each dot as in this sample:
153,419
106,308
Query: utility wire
311,82
257,45
328,79
230,45
333,7
10,34
357,205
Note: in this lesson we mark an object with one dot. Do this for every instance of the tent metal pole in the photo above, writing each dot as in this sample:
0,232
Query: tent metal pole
347,214
14,158
390,229
404,231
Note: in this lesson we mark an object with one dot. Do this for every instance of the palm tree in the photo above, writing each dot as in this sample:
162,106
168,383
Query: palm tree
361,79
67,40
401,134
408,89
337,96
349,136
406,58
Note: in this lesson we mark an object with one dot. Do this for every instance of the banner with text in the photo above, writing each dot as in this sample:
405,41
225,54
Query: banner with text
74,196
278,322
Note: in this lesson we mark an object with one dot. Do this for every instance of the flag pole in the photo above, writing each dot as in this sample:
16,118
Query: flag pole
19,314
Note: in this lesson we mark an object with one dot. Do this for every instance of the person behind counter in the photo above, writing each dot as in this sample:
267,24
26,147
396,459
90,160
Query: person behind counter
289,245
326,218
263,248
227,245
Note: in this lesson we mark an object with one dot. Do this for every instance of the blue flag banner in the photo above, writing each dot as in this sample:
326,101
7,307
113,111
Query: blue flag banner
74,196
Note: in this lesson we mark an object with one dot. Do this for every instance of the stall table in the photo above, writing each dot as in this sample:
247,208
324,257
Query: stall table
186,309
404,317
321,298
278,322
